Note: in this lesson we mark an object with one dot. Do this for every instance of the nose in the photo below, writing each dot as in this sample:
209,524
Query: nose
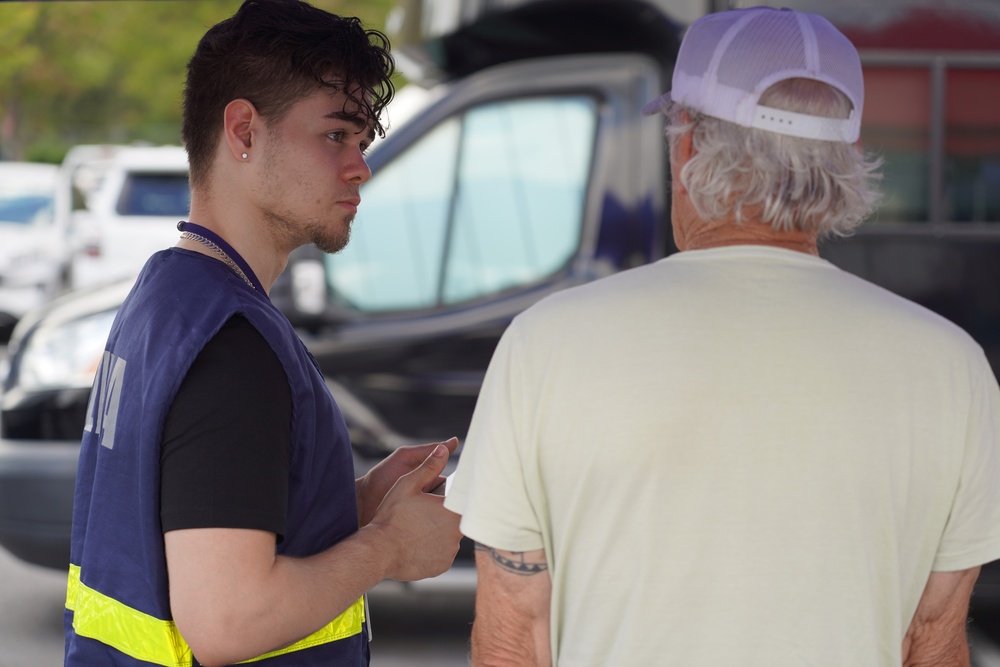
356,170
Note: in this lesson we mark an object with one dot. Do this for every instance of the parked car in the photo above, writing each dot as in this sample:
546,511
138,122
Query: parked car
34,247
530,170
132,212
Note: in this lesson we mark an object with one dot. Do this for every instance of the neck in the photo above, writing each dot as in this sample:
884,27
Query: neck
699,235
803,246
247,235
693,233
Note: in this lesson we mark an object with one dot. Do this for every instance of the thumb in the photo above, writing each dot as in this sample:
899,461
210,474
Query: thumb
432,466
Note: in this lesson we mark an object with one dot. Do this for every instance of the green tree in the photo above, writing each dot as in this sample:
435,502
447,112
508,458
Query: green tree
99,71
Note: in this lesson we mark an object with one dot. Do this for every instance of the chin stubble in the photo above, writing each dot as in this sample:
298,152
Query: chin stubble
332,241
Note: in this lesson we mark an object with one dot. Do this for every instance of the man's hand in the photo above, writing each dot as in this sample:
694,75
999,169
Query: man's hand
371,488
413,521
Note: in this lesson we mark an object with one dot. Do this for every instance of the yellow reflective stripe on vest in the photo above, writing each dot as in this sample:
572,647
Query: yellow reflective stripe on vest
128,630
346,625
148,638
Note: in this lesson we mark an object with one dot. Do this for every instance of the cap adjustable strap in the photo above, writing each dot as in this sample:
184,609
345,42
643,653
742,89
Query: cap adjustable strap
802,125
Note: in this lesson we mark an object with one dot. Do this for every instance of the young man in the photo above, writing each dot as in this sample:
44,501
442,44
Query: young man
216,511
739,455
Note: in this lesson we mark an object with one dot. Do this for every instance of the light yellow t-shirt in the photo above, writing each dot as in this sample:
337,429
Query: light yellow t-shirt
737,456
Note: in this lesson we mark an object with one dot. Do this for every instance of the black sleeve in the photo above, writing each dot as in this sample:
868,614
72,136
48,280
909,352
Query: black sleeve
227,438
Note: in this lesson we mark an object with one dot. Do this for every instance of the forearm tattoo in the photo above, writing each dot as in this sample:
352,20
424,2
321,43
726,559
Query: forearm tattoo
517,564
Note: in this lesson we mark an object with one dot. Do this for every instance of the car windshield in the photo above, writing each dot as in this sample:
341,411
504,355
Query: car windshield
25,208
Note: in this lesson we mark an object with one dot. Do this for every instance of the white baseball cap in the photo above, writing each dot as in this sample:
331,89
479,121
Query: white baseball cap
728,59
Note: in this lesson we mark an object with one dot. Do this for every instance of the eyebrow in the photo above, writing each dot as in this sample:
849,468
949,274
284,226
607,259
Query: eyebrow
354,120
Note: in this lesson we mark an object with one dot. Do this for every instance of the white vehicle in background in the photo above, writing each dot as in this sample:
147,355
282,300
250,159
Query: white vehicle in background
34,248
132,213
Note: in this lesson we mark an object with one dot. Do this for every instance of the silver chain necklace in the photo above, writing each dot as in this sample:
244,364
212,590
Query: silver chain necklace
226,259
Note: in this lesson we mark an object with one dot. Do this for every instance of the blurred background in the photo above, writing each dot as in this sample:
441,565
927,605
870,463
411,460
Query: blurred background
107,72
516,164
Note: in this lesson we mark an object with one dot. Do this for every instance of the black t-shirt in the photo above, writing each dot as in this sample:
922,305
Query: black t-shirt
227,438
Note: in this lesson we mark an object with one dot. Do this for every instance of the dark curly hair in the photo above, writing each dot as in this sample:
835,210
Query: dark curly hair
273,53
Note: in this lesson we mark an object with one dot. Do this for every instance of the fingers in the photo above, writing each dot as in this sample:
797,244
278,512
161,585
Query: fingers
424,534
413,455
433,465
451,443
437,486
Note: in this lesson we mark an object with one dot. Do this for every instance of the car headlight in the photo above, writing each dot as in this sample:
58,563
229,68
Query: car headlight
65,356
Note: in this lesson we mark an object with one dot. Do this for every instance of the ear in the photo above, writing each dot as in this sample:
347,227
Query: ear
685,142
240,121
681,150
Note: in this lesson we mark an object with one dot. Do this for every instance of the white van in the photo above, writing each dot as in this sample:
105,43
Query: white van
132,214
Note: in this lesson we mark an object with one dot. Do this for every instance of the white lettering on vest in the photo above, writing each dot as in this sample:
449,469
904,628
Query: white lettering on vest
102,410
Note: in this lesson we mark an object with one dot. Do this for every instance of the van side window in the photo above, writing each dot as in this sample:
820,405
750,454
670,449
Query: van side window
522,185
489,200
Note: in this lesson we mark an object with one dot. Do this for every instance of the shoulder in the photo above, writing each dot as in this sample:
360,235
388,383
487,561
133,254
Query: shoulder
180,301
181,279
238,361
589,300
881,306
240,340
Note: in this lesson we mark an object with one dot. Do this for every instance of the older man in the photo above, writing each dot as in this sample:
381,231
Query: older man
739,455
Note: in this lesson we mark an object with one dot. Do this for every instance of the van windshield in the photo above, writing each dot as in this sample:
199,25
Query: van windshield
155,194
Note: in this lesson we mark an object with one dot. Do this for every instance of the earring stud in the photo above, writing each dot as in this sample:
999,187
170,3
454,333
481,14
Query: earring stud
244,156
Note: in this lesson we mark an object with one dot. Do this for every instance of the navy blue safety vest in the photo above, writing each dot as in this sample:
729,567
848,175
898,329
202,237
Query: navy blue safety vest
117,606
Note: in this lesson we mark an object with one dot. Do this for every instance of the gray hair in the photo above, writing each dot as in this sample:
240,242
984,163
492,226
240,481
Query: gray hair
806,184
